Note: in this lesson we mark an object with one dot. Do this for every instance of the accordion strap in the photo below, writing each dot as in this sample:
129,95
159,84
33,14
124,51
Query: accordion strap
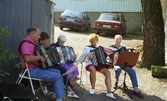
21,43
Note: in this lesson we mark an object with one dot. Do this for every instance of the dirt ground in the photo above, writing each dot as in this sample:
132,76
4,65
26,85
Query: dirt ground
154,89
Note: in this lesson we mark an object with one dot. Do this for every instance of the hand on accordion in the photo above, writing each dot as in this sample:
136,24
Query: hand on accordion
76,55
116,55
42,59
90,57
59,54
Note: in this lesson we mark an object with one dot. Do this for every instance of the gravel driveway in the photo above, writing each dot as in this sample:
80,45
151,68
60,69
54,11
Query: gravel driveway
153,88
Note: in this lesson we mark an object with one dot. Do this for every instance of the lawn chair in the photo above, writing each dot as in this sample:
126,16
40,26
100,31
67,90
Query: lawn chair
26,75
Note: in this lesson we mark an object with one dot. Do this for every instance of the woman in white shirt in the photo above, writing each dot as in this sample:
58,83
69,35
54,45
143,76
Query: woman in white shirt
93,39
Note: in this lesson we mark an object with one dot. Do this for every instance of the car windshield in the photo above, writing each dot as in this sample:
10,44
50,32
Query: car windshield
72,13
109,17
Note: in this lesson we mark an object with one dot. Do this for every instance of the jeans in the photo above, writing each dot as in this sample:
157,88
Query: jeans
50,75
131,73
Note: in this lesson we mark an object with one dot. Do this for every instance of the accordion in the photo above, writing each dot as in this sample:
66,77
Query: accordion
50,54
118,51
67,53
102,57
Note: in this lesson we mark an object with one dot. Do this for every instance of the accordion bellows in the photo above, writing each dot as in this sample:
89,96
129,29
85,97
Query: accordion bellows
50,54
102,57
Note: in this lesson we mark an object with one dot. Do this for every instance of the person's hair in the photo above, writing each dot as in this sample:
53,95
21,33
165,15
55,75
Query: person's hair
43,36
32,29
93,37
118,36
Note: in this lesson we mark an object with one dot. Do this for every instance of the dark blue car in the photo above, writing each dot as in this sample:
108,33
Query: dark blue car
75,20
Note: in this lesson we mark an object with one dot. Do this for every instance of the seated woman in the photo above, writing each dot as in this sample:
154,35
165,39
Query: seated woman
60,42
93,39
44,40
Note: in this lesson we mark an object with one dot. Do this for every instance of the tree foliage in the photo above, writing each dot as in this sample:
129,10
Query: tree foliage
4,51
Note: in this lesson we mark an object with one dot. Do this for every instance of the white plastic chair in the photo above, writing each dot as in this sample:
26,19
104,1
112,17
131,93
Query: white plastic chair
26,75
81,75
81,60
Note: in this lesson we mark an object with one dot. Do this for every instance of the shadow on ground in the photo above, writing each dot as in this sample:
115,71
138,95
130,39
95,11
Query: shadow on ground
82,90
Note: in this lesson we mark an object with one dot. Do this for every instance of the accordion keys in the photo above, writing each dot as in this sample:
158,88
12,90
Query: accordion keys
67,54
102,57
50,54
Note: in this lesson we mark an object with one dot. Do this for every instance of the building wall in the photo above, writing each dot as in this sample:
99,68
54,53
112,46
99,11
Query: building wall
133,19
99,5
18,15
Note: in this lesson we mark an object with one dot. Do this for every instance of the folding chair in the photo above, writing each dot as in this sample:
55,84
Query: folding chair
26,75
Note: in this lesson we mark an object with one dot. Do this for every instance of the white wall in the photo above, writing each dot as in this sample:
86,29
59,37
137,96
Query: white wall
99,5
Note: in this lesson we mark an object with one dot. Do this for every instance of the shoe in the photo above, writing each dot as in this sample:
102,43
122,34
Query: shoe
53,98
115,86
138,94
72,95
49,93
92,91
110,95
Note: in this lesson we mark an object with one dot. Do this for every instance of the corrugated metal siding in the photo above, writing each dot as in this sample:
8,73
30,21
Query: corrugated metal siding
99,5
19,15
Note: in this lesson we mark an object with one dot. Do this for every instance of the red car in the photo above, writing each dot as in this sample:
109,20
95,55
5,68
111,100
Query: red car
111,23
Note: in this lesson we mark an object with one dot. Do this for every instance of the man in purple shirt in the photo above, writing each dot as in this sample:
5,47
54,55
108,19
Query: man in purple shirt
48,75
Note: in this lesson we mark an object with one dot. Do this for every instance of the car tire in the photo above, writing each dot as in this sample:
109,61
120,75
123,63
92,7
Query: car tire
81,29
88,27
122,32
97,32
61,27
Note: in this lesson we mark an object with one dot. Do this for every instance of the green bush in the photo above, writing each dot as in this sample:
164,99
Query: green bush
136,31
4,51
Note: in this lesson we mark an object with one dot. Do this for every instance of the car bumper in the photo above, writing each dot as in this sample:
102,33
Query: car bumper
70,25
103,29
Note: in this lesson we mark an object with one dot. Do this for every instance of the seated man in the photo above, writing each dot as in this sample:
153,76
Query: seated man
93,39
49,75
117,45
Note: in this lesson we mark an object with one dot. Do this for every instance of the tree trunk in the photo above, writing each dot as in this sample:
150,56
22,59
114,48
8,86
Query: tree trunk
154,35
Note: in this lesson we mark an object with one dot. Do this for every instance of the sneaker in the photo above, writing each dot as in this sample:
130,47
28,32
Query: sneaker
92,91
72,95
138,94
49,93
53,97
110,95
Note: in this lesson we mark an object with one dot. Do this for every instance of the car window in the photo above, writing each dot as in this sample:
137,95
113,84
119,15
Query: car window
85,15
109,17
72,13
123,19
